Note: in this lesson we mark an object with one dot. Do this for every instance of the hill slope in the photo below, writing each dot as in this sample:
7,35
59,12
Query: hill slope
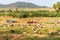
21,5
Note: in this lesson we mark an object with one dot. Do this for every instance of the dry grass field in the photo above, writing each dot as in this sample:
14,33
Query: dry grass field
46,25
29,9
41,28
44,21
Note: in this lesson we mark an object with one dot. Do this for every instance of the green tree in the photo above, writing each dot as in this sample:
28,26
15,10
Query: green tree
54,6
57,5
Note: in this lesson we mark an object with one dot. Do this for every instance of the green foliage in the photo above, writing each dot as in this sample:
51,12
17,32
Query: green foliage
9,10
25,14
57,5
2,11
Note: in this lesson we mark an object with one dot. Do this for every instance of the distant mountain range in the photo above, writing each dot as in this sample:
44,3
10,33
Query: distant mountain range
21,5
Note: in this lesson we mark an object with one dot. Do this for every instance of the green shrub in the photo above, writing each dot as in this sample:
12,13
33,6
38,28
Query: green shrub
25,14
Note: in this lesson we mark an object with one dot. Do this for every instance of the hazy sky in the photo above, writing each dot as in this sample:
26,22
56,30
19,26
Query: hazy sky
37,2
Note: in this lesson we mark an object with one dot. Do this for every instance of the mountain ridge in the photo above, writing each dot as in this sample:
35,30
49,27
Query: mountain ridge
21,5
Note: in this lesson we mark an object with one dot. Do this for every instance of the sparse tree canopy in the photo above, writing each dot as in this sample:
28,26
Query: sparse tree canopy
57,5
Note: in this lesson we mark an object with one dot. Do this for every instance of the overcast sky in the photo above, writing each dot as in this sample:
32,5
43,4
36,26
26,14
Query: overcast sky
37,2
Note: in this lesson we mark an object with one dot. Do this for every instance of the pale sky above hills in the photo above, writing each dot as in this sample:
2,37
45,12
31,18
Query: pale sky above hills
48,3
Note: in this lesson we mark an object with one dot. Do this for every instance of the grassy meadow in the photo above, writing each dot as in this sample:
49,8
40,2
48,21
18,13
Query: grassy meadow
29,25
